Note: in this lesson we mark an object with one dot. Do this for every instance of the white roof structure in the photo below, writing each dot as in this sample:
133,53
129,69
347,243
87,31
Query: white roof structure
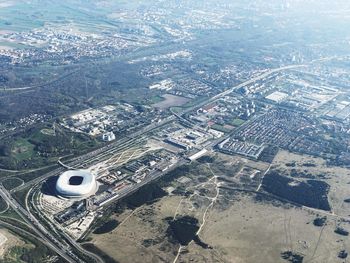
108,136
277,96
197,155
76,184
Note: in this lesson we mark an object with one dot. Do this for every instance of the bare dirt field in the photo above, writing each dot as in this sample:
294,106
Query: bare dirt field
250,231
171,101
235,222
8,240
136,229
337,177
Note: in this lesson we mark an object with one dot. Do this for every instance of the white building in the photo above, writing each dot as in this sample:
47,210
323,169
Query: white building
108,136
277,96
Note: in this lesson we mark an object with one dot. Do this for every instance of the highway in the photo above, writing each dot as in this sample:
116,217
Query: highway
243,84
37,180
96,154
71,241
39,229
99,154
75,163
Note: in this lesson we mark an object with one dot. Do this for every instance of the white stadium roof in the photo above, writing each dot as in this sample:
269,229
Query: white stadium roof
76,184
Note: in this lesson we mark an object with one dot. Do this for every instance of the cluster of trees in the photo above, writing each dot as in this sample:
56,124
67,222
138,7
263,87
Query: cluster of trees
341,231
292,257
320,221
31,254
43,147
62,142
268,154
145,194
311,193
183,229
5,148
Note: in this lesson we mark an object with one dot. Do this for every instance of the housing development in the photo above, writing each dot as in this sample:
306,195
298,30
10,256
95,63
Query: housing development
174,131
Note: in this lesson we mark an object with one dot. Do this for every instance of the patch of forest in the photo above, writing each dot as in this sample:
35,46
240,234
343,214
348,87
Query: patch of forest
311,193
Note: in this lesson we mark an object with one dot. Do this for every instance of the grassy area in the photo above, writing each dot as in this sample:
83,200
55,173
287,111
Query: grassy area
20,196
189,104
237,122
11,183
16,222
10,213
3,205
63,141
22,149
220,128
14,254
4,174
195,102
39,147
153,100
32,251
26,177
91,247
176,109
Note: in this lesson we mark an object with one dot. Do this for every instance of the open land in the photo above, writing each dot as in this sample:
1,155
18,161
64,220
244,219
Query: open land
171,101
217,131
242,225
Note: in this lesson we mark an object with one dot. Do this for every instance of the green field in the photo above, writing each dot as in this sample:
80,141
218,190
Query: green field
153,100
220,128
42,146
237,122
23,16
32,251
22,149
11,183
3,205
10,214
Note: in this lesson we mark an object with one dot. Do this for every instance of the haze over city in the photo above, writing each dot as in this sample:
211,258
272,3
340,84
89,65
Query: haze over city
174,131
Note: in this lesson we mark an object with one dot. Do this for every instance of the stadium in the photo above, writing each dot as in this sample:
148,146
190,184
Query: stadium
76,184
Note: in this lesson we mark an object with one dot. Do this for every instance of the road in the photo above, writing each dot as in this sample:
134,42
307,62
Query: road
70,240
39,229
155,175
42,84
243,84
94,155
98,154
110,147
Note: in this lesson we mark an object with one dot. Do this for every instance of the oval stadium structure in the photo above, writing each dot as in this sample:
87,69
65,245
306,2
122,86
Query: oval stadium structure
76,184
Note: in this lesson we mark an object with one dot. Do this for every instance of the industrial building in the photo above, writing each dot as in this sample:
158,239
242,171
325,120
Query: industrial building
277,96
108,136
